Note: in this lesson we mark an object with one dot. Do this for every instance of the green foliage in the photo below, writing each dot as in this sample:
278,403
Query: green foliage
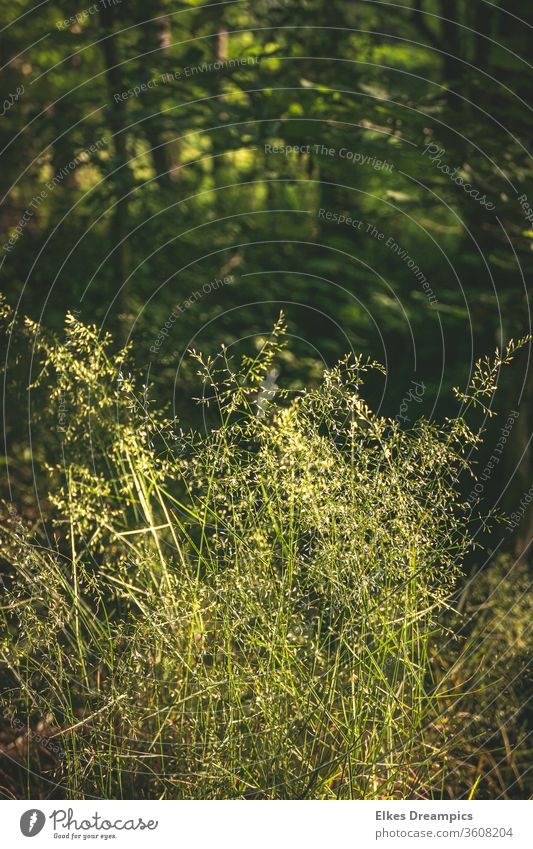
133,172
246,612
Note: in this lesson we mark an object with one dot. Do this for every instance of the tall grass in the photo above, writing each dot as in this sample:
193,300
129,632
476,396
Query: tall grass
251,610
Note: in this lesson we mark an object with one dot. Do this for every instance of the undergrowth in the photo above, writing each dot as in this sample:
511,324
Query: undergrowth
252,610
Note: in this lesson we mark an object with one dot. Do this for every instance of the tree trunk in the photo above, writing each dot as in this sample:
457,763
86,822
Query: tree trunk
122,177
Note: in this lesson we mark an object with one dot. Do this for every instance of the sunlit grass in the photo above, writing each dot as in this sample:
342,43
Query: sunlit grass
251,611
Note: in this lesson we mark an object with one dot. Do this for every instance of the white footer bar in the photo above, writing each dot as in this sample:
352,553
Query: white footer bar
276,825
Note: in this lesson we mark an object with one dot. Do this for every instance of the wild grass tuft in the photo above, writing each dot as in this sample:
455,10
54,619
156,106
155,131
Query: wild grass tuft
249,611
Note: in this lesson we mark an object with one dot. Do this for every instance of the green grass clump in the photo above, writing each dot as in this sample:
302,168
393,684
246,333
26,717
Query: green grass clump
247,611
